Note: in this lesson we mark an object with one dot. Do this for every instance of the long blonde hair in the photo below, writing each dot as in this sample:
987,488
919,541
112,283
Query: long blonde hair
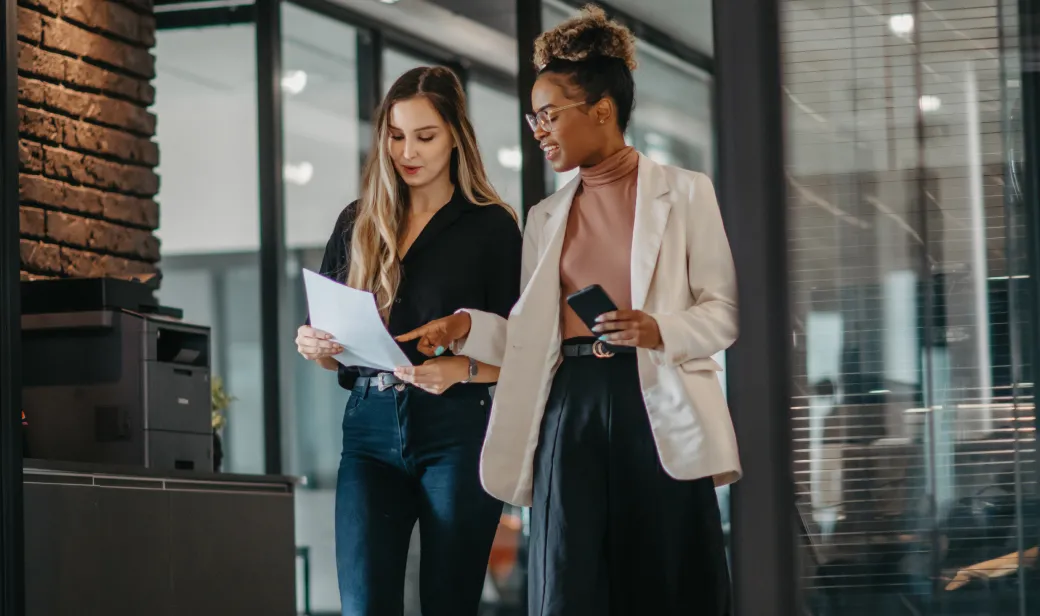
375,264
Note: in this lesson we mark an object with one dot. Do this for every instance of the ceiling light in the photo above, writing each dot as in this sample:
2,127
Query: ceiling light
294,82
300,174
929,103
388,1
901,24
510,158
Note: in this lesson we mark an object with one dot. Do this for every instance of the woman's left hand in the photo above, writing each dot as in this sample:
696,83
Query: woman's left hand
633,328
436,375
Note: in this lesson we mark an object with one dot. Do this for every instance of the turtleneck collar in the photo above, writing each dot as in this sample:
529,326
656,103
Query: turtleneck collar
616,167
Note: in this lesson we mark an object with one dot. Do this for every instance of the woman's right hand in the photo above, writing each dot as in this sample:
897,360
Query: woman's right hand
315,344
437,336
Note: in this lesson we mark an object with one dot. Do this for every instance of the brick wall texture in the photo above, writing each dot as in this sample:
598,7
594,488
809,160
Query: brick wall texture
87,174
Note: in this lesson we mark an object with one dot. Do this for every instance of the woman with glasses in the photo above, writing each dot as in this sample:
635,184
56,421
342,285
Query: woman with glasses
617,435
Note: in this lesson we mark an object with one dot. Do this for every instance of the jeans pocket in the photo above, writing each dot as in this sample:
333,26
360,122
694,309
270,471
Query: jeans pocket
353,404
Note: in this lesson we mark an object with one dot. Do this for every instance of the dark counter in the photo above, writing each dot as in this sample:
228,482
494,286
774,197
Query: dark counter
40,467
114,541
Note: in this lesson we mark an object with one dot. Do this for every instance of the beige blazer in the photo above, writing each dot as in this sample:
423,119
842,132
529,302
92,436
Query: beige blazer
682,274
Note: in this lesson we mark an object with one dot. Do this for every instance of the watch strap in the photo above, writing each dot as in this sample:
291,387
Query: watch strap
473,369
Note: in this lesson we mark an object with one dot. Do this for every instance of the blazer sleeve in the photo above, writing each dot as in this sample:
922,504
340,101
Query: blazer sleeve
486,341
710,325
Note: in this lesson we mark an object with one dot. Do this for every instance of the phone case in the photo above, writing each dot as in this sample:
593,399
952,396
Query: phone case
590,302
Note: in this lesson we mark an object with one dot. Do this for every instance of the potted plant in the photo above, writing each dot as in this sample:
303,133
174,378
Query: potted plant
220,402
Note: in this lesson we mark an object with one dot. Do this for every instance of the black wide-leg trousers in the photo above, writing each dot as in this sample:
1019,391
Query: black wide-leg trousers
612,534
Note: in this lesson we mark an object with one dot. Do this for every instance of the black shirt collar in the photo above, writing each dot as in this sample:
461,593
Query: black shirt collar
444,218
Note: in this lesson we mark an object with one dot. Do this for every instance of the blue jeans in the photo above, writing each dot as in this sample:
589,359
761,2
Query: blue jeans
409,455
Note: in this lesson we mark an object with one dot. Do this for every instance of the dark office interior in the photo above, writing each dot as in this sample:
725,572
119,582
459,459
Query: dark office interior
168,167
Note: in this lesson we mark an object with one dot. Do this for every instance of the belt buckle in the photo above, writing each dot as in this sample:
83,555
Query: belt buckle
600,350
381,383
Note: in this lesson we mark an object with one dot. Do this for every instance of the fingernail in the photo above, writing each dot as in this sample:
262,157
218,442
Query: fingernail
439,351
603,337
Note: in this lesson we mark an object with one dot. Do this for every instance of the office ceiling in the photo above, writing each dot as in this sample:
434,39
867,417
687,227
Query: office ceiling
687,21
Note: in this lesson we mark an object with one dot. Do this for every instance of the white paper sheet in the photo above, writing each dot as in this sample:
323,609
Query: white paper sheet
353,320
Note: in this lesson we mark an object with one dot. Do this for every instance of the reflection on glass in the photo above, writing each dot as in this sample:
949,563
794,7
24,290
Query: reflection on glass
322,166
672,119
913,410
206,98
499,139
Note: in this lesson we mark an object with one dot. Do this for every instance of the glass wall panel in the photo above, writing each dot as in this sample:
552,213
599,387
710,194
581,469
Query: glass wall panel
496,119
913,410
672,121
209,211
397,63
322,167
321,178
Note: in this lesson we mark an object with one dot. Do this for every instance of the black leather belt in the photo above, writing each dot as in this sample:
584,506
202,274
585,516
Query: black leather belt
598,349
382,381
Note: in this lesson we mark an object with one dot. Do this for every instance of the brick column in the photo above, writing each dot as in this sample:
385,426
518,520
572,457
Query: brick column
87,175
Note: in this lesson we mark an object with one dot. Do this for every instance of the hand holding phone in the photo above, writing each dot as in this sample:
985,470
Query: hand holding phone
591,302
629,328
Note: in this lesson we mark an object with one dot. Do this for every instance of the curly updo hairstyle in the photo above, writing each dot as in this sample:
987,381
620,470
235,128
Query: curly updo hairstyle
597,54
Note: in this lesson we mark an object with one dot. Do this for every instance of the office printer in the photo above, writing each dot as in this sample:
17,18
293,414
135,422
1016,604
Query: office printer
111,377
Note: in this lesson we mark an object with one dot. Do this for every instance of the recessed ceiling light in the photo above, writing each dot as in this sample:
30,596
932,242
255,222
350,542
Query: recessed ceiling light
929,103
510,158
389,1
294,82
300,174
901,24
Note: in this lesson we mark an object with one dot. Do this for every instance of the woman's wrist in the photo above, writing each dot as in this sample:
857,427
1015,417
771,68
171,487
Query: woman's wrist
328,363
461,331
459,369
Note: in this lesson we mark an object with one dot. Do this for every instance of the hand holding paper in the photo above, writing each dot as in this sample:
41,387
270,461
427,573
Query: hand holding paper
353,320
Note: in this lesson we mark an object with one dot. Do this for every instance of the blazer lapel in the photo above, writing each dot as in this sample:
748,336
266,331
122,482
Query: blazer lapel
543,289
556,212
651,217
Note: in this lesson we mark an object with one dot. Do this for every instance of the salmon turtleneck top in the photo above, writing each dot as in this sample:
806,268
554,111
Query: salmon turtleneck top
597,245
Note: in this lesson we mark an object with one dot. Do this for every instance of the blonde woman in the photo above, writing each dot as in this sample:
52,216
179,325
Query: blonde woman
428,236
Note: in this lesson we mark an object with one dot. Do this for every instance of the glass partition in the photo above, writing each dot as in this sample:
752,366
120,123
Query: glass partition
209,210
495,115
913,417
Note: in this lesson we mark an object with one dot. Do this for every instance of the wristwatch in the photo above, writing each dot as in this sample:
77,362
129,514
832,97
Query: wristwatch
472,370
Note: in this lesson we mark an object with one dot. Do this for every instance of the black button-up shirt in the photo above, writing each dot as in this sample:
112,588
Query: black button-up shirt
467,256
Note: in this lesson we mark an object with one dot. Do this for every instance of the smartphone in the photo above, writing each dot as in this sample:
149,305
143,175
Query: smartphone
590,303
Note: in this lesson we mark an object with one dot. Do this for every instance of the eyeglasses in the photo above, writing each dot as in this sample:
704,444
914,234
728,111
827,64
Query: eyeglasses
543,119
